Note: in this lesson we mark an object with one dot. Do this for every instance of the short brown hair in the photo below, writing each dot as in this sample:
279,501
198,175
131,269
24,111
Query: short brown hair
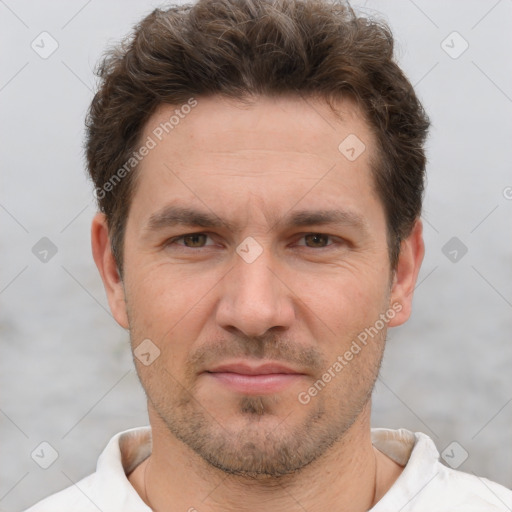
244,48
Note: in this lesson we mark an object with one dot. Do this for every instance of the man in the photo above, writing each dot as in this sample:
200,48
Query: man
259,172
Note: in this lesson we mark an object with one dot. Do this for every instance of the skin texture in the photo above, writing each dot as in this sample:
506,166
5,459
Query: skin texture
302,302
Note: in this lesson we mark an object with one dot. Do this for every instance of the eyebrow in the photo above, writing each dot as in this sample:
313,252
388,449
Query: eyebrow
173,215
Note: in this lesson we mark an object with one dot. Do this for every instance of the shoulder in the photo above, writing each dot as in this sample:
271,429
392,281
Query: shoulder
428,485
108,488
73,498
466,492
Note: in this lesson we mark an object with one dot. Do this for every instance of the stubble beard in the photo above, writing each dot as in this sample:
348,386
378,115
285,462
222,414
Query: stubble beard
266,446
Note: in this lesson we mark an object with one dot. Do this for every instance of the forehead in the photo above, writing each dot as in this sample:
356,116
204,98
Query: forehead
267,153
286,123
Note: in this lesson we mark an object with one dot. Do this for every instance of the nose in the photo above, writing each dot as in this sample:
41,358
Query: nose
255,297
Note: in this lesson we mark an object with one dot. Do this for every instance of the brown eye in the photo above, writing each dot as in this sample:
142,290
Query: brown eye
316,240
194,240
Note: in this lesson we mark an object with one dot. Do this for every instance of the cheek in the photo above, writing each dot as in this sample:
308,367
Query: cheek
346,299
168,308
165,294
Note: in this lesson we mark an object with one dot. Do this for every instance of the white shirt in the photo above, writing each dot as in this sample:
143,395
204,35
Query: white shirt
425,484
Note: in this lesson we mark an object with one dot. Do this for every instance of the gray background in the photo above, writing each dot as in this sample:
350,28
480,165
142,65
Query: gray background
66,372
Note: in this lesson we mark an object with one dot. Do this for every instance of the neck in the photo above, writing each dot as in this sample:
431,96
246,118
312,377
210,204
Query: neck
350,475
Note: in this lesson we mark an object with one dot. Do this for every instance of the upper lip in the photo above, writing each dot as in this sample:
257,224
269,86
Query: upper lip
248,369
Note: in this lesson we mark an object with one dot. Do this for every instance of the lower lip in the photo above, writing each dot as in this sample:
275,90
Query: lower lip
256,384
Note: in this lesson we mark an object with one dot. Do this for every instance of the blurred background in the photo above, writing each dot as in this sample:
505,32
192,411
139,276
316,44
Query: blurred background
66,373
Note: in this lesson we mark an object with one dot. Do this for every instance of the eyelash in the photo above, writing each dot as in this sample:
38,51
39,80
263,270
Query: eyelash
172,241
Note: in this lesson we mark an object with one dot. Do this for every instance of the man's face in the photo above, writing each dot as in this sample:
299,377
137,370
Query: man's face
268,286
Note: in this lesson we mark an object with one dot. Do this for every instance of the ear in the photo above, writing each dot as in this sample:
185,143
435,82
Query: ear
412,250
104,259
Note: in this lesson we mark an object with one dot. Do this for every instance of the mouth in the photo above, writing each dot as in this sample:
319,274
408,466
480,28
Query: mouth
250,379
